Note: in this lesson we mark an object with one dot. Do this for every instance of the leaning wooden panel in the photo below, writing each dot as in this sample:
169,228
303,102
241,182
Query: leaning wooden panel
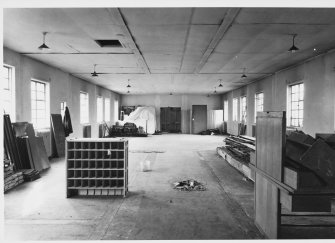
270,141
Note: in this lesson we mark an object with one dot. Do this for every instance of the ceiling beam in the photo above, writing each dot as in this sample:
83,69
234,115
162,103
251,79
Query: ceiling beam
186,38
224,27
76,53
116,14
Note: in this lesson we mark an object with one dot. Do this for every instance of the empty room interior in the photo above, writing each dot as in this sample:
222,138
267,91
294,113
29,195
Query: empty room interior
168,123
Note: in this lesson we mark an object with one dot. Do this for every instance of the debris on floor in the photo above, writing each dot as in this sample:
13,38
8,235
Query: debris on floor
210,132
189,185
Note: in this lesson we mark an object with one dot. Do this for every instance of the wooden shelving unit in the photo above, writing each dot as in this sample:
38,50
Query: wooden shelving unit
96,167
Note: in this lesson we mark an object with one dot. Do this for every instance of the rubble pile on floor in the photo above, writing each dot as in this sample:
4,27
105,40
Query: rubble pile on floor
240,147
189,185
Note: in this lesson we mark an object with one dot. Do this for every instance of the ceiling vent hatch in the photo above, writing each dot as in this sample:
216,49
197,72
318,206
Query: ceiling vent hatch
109,43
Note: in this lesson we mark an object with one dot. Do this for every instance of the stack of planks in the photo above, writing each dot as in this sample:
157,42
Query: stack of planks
31,148
10,144
31,175
239,152
240,147
11,179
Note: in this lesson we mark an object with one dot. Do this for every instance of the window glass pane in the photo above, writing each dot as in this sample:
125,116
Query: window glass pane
84,108
225,115
39,104
40,87
296,105
107,109
99,109
40,95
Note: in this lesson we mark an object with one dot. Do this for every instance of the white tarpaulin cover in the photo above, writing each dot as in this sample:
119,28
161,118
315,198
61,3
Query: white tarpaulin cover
144,117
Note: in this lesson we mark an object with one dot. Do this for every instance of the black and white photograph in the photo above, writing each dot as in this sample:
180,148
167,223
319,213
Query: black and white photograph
167,120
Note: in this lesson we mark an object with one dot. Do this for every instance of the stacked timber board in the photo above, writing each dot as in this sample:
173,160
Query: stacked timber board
11,178
239,151
97,167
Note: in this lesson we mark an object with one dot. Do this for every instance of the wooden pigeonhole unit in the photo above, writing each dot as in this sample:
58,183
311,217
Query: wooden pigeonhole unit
96,167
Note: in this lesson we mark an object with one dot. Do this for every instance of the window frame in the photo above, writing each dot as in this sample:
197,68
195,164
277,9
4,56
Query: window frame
235,109
11,90
243,108
225,111
46,100
87,120
257,105
100,109
116,109
107,109
299,101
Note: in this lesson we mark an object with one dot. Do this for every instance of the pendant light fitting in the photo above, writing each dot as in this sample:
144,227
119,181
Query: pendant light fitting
293,47
94,74
243,75
220,83
44,46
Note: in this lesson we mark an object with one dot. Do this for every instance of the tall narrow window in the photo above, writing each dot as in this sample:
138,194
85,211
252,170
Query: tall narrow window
107,109
116,110
84,108
62,108
225,110
40,104
259,100
8,97
243,109
295,105
100,109
235,106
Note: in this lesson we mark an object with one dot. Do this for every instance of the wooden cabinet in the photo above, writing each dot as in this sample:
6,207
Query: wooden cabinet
171,119
96,167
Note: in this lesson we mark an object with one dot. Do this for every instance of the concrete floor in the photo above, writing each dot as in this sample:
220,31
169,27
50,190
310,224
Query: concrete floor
153,210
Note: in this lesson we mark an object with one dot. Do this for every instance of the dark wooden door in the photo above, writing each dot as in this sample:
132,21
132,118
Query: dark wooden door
171,119
199,118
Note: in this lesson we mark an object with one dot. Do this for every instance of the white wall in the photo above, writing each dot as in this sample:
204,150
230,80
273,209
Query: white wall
183,101
63,87
318,76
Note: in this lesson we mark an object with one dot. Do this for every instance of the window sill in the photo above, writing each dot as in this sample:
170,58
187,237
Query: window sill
42,130
296,128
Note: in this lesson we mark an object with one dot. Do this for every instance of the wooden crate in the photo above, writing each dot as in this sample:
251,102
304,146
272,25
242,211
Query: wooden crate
301,180
306,203
96,167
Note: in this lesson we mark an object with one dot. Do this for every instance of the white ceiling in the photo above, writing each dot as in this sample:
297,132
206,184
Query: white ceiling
179,50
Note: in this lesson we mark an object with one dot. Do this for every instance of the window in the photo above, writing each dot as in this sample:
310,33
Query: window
235,105
225,110
84,108
243,109
40,104
8,96
295,105
62,108
116,110
107,109
100,109
259,100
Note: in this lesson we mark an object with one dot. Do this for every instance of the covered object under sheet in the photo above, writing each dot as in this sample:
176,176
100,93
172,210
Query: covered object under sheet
144,117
